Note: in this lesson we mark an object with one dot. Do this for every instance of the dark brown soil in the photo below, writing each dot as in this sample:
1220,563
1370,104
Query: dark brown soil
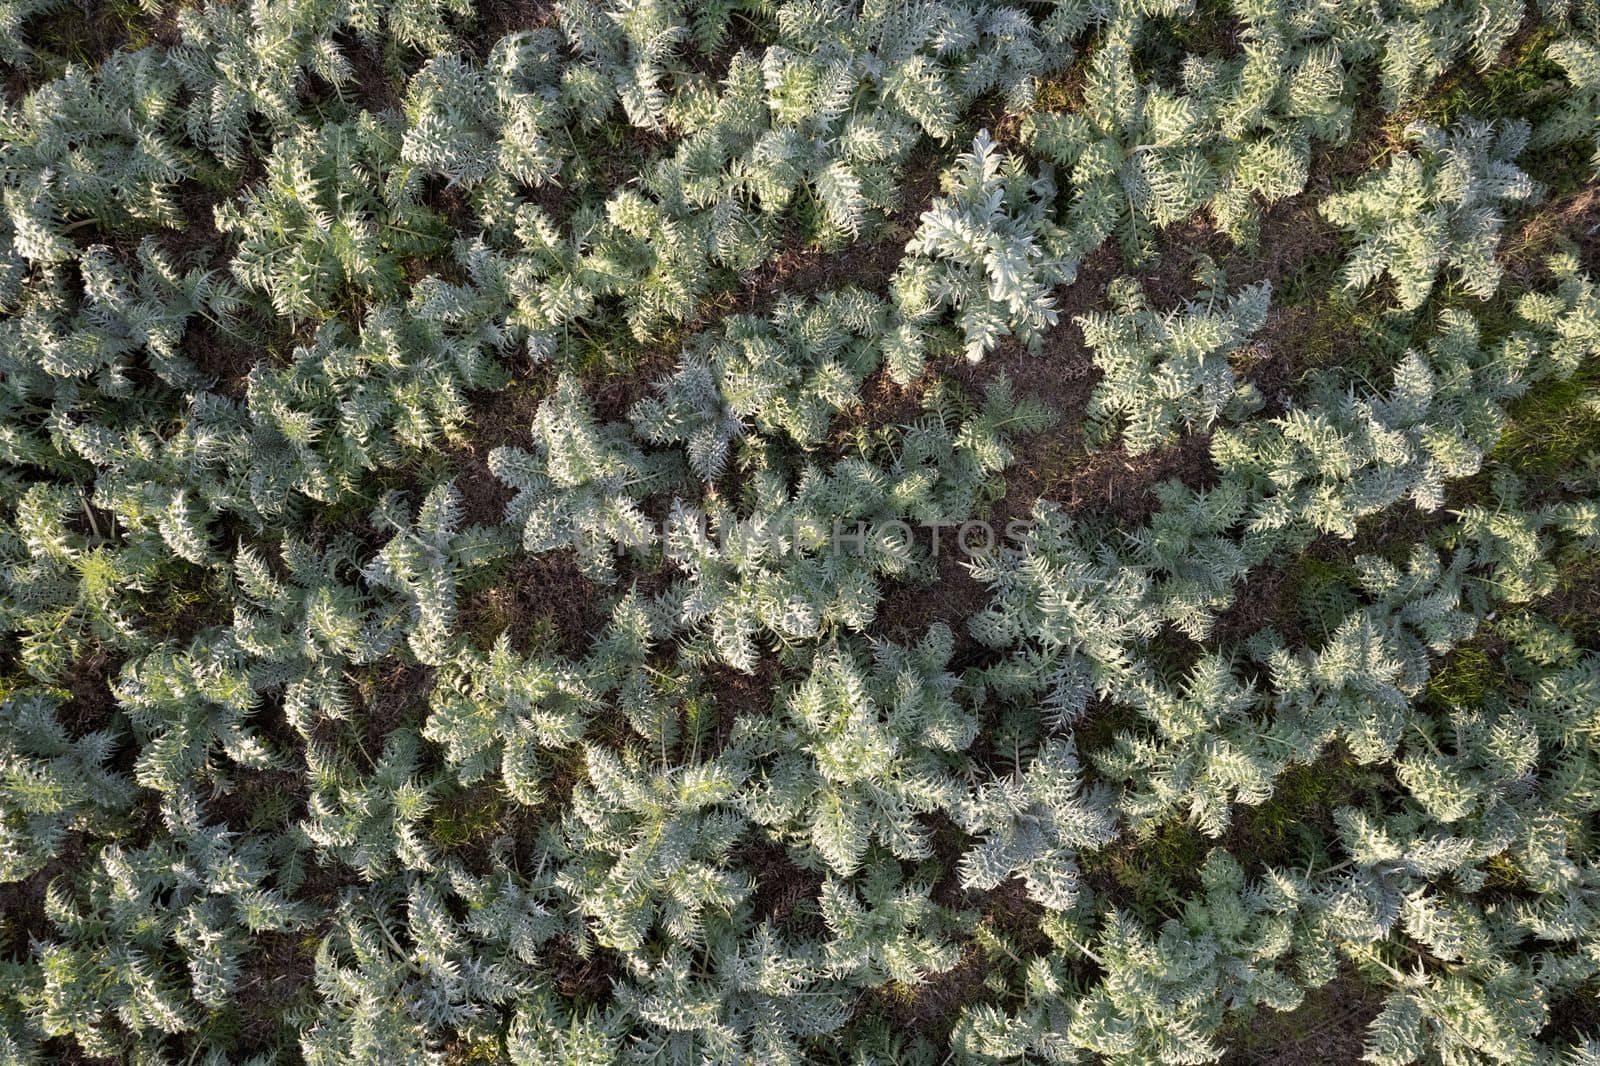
278,973
248,790
1329,1027
501,18
325,884
373,85
949,842
505,416
1011,912
65,1051
483,496
452,205
22,915
587,977
806,270
614,392
909,608
86,33
199,242
394,695
1574,1017
738,694
500,418
90,704
223,360
1266,597
785,894
929,1009
1284,351
543,594
1112,482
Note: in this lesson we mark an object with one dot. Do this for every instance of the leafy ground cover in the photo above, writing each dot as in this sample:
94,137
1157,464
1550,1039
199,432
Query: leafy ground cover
720,532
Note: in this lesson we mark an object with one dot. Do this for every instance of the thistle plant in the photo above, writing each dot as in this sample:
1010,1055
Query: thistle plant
653,532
